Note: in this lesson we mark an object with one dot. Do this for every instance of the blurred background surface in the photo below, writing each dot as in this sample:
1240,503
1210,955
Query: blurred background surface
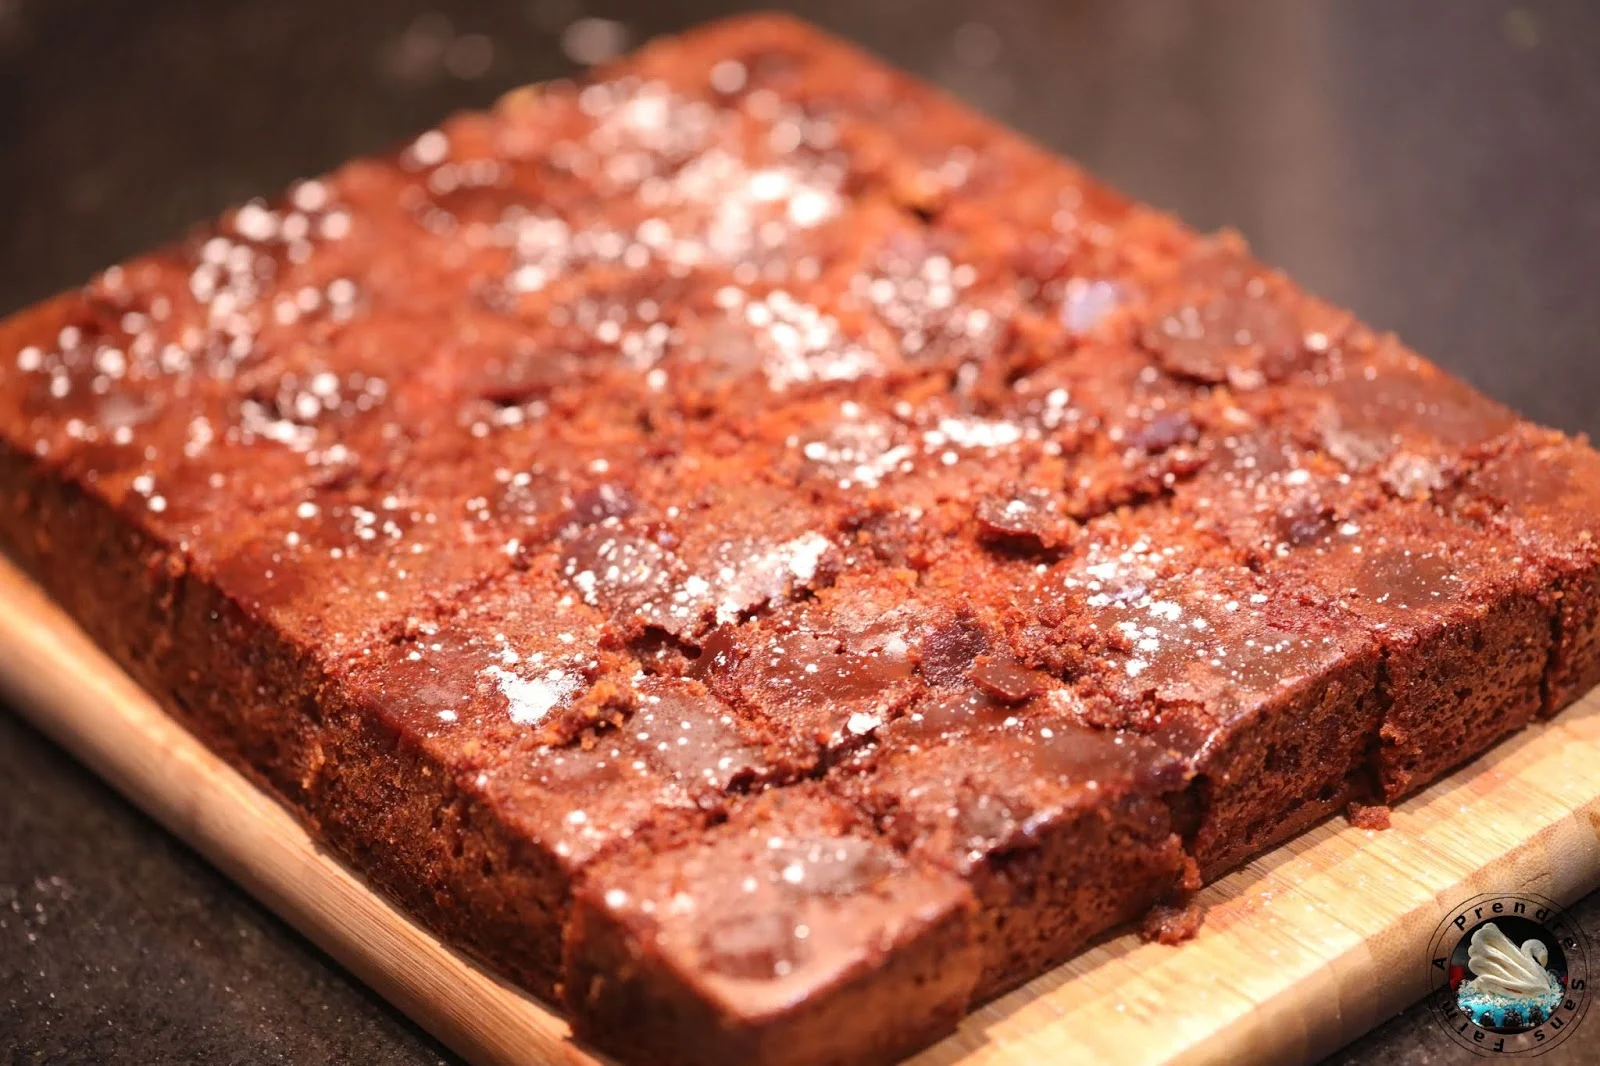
1434,164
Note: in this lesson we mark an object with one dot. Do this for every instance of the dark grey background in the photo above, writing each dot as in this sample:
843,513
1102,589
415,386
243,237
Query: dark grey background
1435,165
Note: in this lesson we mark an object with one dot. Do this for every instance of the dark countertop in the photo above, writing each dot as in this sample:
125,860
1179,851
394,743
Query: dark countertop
1434,165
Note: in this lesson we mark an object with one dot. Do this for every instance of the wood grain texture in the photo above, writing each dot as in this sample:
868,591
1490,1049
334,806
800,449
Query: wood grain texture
1302,949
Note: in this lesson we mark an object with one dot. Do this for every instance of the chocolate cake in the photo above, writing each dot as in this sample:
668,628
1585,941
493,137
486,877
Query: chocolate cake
766,558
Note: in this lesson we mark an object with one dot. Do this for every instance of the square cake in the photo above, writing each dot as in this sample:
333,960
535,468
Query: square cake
766,558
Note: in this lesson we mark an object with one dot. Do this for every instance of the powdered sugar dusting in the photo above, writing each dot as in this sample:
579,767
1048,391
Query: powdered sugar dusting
531,699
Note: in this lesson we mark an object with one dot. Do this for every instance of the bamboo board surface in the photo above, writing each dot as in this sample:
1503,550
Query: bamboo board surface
1302,950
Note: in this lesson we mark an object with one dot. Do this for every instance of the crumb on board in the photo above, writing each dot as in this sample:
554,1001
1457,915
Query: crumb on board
1172,923
1369,816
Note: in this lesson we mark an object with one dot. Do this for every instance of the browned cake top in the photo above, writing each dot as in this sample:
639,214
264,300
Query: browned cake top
801,387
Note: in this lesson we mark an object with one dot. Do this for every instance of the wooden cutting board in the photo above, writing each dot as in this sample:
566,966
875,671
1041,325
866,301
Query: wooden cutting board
1302,950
